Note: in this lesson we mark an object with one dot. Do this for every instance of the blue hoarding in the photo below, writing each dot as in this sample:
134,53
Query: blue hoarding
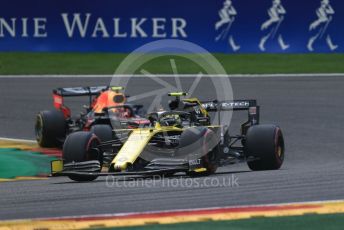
226,26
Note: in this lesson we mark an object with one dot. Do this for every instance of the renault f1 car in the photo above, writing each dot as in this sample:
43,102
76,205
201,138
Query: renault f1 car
181,140
106,111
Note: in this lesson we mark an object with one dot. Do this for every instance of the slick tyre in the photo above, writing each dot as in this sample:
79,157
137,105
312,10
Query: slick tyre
191,140
79,147
50,128
103,132
264,147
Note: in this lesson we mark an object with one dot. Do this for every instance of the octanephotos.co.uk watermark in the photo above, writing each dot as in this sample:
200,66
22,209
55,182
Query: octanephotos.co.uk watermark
230,181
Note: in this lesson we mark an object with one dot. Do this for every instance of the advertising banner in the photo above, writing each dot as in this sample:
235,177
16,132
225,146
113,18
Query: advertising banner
223,26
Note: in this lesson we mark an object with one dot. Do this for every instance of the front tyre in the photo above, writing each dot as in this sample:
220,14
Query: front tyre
201,142
50,128
264,147
103,132
80,147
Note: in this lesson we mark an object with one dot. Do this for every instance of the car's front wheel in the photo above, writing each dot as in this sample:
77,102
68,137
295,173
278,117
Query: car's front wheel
81,147
103,132
50,128
200,142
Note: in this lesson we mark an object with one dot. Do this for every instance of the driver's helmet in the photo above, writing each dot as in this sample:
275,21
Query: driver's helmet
171,120
127,113
121,112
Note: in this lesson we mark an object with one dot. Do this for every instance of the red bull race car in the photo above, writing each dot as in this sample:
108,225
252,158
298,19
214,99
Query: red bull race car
107,110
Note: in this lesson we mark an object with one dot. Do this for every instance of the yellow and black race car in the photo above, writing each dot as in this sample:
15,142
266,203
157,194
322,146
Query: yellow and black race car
181,140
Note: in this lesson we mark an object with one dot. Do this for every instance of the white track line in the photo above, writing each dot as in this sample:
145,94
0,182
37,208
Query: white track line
180,75
17,140
176,210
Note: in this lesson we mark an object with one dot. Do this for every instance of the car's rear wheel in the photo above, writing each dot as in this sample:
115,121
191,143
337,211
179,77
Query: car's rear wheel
264,147
81,147
50,128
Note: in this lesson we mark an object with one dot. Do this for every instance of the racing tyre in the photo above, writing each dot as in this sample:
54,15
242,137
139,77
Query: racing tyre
264,147
50,128
103,132
190,141
79,147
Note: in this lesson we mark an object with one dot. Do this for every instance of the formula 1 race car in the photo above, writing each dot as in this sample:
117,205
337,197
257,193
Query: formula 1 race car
107,110
180,140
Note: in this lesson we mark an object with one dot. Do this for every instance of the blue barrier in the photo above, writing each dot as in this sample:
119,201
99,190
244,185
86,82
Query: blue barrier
227,26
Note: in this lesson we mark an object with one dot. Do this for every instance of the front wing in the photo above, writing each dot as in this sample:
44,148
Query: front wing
92,168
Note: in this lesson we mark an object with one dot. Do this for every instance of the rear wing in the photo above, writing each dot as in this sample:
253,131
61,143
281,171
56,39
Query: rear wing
79,91
236,105
60,93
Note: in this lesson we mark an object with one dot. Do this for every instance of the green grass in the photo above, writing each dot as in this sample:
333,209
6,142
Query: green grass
314,222
15,162
106,63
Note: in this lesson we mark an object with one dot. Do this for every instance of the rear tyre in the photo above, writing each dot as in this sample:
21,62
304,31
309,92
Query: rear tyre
265,144
79,147
50,128
103,132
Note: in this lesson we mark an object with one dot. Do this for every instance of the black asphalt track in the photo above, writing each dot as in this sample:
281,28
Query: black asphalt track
310,111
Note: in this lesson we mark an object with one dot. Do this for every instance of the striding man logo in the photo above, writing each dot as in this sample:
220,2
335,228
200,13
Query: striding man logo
325,15
276,13
227,17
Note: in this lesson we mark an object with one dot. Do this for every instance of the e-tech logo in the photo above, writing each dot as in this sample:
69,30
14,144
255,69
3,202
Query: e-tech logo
236,104
86,25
